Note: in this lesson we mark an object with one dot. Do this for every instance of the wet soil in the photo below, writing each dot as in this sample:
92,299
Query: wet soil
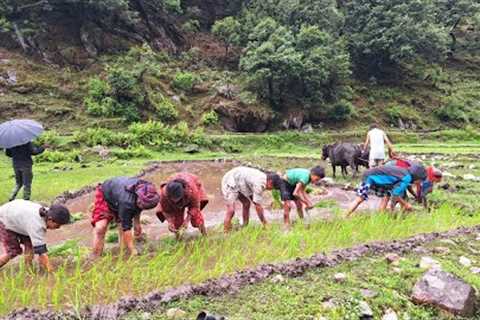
211,173
234,282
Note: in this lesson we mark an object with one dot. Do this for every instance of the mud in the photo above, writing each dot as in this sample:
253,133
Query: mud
232,283
211,173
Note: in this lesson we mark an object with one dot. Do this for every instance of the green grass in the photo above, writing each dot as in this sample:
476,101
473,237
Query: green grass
304,297
174,263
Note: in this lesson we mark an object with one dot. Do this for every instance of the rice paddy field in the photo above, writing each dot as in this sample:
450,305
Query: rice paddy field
166,263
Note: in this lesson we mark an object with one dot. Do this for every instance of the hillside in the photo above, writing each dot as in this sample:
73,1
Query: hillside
106,64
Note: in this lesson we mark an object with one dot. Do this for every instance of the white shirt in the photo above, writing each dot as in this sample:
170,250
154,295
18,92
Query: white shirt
23,217
248,181
377,144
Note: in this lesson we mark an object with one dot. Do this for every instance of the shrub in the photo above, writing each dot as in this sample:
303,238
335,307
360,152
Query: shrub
132,152
210,118
50,138
184,81
191,26
58,156
341,111
96,136
166,110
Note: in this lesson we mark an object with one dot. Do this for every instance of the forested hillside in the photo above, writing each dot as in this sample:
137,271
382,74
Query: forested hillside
241,65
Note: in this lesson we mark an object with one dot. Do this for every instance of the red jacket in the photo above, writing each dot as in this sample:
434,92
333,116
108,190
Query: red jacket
195,199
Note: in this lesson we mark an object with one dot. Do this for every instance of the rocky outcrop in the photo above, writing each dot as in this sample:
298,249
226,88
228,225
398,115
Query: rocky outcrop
238,117
445,291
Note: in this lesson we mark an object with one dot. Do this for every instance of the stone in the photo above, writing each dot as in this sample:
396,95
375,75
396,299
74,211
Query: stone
340,277
464,261
192,148
397,270
228,91
327,181
471,177
176,99
307,128
175,313
365,310
445,291
448,175
475,270
12,77
390,315
278,279
429,263
367,293
441,250
328,305
392,258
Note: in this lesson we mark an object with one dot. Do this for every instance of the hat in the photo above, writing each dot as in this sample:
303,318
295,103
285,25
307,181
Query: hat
147,195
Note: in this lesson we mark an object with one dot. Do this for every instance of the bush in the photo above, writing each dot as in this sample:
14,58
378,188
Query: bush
191,26
185,81
132,152
341,111
97,136
210,118
50,138
166,110
58,156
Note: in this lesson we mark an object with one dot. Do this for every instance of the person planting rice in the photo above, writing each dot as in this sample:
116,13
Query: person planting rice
294,190
25,223
182,191
121,199
388,182
247,186
423,188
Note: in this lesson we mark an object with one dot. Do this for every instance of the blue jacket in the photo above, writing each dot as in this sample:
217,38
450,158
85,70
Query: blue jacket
389,177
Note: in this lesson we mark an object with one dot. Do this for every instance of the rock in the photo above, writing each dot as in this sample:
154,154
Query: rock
228,91
11,77
176,99
420,250
441,250
390,315
365,310
307,128
475,270
175,313
392,258
327,181
328,305
471,177
397,270
447,174
464,261
445,291
192,148
278,279
429,263
294,120
340,277
367,293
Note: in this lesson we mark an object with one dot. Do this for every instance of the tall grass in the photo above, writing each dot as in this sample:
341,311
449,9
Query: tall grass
174,263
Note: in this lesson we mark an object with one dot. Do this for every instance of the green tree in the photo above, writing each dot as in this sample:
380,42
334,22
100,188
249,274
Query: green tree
228,30
383,34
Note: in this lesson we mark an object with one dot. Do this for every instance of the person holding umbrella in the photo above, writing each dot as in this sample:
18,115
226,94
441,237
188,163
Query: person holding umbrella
16,137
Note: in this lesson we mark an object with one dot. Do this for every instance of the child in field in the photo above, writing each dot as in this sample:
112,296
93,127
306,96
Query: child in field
121,199
25,223
182,191
388,182
247,186
294,190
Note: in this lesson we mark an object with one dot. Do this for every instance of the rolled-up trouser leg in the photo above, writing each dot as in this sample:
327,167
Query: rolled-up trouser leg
18,183
27,182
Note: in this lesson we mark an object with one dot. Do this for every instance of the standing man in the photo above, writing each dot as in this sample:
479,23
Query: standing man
247,186
182,192
22,166
376,139
121,199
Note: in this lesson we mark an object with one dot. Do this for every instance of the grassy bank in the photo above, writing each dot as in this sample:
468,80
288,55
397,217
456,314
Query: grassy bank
174,263
317,294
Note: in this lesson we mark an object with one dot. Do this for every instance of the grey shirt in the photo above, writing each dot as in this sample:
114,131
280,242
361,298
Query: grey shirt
23,217
248,181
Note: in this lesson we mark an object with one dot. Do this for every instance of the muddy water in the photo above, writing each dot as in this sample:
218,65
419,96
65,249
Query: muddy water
211,173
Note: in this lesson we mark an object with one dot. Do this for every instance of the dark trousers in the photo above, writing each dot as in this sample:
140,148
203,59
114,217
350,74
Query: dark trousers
23,178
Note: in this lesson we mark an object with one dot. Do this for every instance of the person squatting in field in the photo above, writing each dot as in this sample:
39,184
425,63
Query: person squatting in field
247,185
182,191
121,199
25,223
389,183
293,190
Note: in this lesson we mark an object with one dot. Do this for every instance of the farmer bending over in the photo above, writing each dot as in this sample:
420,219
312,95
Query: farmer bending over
296,181
25,223
121,199
388,181
182,191
246,185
